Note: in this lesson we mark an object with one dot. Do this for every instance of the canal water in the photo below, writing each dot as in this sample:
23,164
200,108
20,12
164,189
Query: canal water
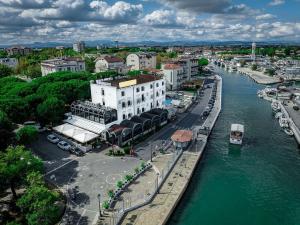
258,184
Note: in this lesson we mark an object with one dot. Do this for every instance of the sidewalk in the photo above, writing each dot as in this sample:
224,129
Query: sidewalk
259,77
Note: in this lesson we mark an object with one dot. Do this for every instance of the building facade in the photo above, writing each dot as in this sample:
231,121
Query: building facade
62,64
130,96
173,74
79,46
141,60
110,63
10,62
18,50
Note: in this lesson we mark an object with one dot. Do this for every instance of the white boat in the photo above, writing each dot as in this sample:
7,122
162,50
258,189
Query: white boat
288,131
283,122
275,106
236,134
278,115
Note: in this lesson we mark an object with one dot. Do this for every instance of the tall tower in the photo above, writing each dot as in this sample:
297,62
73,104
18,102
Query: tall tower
253,51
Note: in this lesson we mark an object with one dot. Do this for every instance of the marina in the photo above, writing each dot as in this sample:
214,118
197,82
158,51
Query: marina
255,184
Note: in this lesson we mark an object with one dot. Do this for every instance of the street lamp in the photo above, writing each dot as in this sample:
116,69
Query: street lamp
99,198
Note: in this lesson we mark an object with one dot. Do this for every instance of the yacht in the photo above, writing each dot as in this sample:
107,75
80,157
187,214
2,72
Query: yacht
278,115
236,134
283,122
275,106
288,131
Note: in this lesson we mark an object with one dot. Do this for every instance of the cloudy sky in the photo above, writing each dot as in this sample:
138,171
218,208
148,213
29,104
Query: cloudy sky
27,21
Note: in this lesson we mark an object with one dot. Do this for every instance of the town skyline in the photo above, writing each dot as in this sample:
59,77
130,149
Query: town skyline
29,21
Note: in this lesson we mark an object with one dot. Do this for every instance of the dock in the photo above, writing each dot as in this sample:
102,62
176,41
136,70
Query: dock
258,77
161,207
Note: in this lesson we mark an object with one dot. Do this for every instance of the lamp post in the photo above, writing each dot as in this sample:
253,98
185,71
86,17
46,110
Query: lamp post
151,152
99,199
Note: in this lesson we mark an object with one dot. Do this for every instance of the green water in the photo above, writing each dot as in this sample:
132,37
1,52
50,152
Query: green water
258,184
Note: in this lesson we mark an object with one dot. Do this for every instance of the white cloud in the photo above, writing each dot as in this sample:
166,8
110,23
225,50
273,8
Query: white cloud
266,16
276,2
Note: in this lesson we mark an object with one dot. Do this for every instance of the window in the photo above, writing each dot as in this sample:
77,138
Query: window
103,102
129,103
137,89
143,109
162,83
156,84
124,116
102,91
129,115
123,105
151,86
162,92
138,110
151,105
143,88
157,103
123,93
157,94
143,97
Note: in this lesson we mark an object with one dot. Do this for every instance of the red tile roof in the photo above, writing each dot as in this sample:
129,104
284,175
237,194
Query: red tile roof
182,136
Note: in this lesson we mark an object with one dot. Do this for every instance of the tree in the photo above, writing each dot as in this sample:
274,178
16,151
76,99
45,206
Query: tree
270,72
27,135
15,163
5,71
33,71
38,202
254,67
51,110
203,62
90,65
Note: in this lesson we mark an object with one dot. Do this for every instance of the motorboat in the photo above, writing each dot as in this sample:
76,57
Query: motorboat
236,134
275,106
283,122
288,131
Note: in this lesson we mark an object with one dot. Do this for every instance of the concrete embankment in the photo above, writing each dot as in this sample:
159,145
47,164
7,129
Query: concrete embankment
258,77
158,211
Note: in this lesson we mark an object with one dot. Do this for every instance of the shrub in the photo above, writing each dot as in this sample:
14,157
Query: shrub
111,152
127,150
128,177
143,165
111,193
105,205
136,169
119,184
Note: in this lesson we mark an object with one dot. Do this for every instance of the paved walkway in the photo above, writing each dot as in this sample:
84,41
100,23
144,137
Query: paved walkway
259,77
159,210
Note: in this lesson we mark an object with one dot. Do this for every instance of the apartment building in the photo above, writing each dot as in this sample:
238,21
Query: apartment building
106,63
10,62
79,46
73,64
174,75
18,50
141,60
130,96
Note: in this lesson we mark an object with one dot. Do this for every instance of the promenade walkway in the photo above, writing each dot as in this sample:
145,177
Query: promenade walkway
258,76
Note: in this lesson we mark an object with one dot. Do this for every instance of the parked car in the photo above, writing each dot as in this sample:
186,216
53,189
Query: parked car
36,125
64,145
295,107
53,139
76,151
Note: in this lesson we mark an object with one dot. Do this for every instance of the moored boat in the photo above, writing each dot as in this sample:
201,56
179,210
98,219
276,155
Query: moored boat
288,131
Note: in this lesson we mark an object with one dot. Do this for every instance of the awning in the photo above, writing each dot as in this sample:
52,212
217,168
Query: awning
76,133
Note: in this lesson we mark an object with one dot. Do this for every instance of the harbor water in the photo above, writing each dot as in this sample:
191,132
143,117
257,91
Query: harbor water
257,184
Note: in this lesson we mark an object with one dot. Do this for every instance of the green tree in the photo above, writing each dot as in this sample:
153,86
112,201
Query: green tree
15,163
51,111
90,65
39,204
254,67
26,135
5,71
203,62
33,71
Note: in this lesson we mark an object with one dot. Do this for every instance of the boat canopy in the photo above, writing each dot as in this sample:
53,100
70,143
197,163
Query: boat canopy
237,127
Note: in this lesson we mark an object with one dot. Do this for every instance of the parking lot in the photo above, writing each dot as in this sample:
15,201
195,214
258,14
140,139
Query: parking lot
85,176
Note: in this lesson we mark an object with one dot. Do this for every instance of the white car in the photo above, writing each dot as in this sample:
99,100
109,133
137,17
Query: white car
53,139
64,145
